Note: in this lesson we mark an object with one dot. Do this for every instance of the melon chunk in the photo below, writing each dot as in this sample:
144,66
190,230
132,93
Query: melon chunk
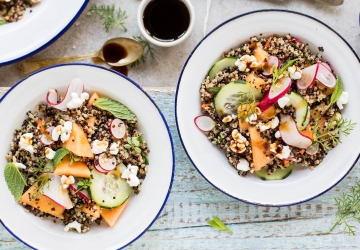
112,215
254,80
260,148
91,209
268,114
93,99
78,142
261,57
307,132
77,169
42,203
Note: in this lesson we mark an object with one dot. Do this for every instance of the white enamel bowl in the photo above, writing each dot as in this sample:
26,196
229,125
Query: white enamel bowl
142,209
303,184
38,29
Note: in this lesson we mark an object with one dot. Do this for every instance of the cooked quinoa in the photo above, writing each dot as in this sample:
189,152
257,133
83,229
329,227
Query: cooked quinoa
14,10
285,49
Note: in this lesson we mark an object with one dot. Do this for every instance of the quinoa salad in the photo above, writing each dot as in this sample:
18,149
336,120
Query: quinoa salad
272,103
77,159
14,10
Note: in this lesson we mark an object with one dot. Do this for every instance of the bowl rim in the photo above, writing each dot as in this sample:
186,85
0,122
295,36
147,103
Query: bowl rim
156,106
177,92
51,40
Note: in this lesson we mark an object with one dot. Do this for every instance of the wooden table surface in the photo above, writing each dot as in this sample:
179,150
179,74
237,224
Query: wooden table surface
183,222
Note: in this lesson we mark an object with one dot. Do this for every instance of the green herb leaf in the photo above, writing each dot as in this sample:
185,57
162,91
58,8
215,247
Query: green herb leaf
339,89
127,146
84,183
213,90
116,108
15,180
112,18
141,140
218,224
146,158
59,155
135,141
138,150
277,73
2,21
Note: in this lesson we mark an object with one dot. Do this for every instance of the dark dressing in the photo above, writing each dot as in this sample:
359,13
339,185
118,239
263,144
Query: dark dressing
121,69
166,20
114,52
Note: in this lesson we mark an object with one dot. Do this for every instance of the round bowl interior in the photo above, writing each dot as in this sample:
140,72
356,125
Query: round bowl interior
303,184
142,209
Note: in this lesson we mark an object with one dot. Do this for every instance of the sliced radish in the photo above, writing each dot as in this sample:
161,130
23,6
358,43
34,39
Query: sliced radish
76,86
271,62
272,96
326,65
118,128
107,163
313,149
56,193
307,77
325,76
98,168
291,135
204,123
83,193
46,138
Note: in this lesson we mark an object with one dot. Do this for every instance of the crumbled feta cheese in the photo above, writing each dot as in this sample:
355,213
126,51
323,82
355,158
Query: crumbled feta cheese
285,151
246,62
99,147
26,142
75,225
295,72
275,122
251,119
114,148
243,165
227,119
343,99
238,145
19,165
270,124
76,100
283,101
49,153
277,134
62,131
66,181
130,174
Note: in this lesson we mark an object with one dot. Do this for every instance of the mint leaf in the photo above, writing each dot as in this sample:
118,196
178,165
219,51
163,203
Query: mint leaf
115,108
59,155
15,180
218,224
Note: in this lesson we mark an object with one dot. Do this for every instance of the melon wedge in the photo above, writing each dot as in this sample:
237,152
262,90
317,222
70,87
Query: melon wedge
91,209
112,215
93,99
261,57
307,132
41,126
42,203
260,148
78,142
268,114
77,169
254,80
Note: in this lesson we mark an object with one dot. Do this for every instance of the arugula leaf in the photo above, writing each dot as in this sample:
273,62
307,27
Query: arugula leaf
15,180
59,155
118,109
218,224
339,89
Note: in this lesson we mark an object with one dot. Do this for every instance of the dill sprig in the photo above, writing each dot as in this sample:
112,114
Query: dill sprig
246,105
112,18
148,51
40,177
348,209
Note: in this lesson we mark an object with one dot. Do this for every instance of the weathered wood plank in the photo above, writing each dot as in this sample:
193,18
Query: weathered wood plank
193,201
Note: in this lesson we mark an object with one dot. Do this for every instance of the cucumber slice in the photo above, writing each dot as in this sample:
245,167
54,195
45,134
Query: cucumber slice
279,174
228,97
109,190
220,65
301,110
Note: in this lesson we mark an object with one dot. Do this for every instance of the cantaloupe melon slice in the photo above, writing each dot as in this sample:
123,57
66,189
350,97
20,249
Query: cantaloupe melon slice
41,126
78,142
93,99
268,114
112,215
91,209
261,56
77,169
254,80
307,132
260,148
42,203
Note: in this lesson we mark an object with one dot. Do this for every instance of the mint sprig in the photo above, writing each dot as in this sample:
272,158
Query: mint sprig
59,155
218,224
15,180
117,109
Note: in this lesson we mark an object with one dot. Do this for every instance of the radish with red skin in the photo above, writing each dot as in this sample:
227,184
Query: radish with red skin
281,87
325,76
46,138
76,86
204,123
291,135
83,192
54,191
98,168
117,128
313,149
308,76
326,65
268,67
107,163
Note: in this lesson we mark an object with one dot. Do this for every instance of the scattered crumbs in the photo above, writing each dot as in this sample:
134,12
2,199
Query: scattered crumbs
77,23
321,49
74,47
